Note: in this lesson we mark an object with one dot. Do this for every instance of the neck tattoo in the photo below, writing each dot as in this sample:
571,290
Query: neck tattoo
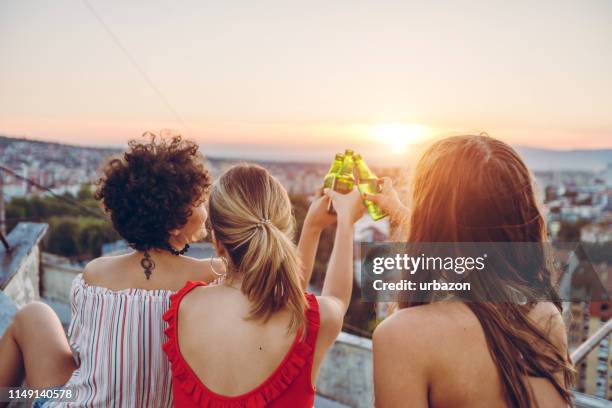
147,264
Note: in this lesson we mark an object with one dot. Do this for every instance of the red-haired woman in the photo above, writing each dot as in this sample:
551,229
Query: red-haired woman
472,354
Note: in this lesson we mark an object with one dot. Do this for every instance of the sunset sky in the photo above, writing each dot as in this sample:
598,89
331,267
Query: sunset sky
304,78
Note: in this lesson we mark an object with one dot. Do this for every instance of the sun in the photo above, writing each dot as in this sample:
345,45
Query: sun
398,136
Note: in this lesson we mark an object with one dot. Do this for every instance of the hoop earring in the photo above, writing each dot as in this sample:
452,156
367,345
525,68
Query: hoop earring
225,263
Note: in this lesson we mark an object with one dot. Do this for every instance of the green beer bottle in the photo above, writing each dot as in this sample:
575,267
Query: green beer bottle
328,181
345,180
368,183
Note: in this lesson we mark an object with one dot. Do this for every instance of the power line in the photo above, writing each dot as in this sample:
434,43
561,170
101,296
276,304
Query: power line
136,65
51,192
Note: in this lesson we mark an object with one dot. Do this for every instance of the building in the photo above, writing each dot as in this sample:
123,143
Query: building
595,371
367,230
608,175
596,233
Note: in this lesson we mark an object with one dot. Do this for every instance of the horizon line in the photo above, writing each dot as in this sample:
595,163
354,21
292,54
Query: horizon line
116,147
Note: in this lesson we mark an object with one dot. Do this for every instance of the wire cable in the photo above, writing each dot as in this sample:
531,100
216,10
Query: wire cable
68,200
136,65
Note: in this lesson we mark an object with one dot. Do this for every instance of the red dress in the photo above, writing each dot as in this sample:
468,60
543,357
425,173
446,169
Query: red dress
288,386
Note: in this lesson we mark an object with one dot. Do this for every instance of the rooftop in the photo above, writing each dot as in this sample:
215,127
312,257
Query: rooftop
345,379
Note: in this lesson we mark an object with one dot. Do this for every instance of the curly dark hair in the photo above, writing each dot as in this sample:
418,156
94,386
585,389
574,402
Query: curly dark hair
152,189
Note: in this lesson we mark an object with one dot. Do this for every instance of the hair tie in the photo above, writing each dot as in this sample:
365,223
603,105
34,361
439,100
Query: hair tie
256,225
261,222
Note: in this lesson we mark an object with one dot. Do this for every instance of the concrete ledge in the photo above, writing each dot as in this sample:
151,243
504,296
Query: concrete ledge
321,402
355,341
20,266
56,278
22,239
346,373
7,311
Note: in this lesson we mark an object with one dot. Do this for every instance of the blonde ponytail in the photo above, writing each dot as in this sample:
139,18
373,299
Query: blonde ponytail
251,217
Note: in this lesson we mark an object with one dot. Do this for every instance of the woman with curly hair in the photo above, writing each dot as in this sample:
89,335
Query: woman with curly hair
155,197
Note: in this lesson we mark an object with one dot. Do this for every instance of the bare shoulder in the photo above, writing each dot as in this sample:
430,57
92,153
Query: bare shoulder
97,270
195,303
426,319
404,339
197,296
204,298
205,270
96,264
403,346
549,319
408,326
426,328
195,268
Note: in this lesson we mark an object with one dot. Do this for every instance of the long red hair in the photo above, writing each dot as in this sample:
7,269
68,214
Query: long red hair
477,189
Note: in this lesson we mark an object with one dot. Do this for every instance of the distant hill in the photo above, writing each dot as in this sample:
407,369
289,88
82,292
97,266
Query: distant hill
536,158
5,140
548,159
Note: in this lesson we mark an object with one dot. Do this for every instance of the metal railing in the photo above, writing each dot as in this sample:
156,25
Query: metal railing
5,243
583,350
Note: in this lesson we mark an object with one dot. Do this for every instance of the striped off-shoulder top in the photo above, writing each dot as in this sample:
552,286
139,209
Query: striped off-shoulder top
116,338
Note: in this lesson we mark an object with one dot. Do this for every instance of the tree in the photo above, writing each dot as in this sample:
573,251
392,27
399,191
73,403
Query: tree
14,214
72,231
63,237
85,192
93,234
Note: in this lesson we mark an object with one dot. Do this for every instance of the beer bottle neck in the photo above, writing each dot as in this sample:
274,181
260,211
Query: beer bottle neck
363,170
335,167
347,166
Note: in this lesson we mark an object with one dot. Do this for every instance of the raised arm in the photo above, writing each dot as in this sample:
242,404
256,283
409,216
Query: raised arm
338,283
317,219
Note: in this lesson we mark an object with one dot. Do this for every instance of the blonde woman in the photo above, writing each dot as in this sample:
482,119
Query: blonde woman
257,339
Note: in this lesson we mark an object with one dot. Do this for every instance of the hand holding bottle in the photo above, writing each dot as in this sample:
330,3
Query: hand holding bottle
388,199
318,217
349,206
